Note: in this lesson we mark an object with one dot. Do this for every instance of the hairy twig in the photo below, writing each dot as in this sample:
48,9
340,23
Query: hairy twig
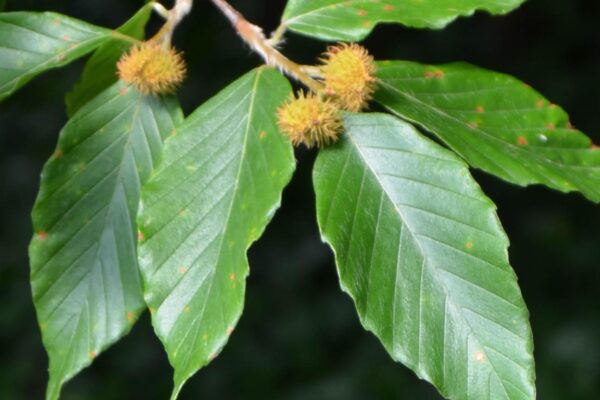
173,16
255,38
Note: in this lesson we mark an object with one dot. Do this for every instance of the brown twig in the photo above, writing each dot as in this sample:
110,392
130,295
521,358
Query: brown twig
255,38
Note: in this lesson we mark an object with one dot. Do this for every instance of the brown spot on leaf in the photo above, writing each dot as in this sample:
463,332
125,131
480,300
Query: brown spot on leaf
522,140
434,74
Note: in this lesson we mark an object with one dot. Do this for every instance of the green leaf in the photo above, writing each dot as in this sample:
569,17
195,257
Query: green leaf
210,199
421,251
84,271
495,122
353,20
31,43
100,71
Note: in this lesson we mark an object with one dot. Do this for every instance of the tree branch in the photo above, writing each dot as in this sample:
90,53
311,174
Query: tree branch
255,38
173,16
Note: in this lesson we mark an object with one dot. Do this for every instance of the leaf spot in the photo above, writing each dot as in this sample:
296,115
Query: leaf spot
479,356
469,245
229,331
130,317
42,235
522,141
93,354
59,153
388,7
480,109
262,135
232,277
182,269
362,12
550,125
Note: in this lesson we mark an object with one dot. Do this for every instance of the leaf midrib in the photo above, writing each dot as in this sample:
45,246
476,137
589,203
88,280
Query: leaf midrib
427,262
210,277
483,133
118,181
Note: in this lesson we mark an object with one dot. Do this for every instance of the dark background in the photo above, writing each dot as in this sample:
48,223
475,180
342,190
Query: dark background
299,337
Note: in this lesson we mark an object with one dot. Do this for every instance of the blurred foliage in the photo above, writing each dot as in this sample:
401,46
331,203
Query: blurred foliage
299,338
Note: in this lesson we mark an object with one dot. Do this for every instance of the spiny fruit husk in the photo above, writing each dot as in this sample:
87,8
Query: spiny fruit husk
310,120
349,75
152,68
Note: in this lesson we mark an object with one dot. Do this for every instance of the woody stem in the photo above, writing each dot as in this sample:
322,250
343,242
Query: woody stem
173,16
255,38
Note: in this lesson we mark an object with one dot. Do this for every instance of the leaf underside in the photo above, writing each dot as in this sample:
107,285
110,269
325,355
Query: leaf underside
84,273
421,251
100,71
31,43
217,188
353,20
495,122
